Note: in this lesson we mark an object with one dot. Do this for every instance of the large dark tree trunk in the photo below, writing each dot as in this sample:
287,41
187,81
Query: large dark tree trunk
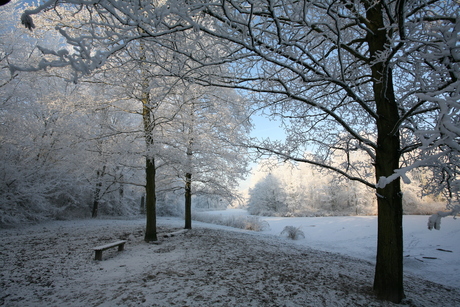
150,168
188,201
150,202
388,280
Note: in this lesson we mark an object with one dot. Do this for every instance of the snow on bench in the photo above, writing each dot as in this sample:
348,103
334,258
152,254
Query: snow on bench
99,249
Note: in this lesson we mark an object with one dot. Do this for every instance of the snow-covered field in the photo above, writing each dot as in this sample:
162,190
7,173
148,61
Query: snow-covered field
52,264
356,236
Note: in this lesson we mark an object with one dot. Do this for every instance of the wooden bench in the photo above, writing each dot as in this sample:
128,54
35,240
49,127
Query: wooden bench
99,249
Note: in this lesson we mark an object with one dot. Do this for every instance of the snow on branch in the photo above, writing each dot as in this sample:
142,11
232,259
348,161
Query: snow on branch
26,18
83,60
383,181
401,172
434,221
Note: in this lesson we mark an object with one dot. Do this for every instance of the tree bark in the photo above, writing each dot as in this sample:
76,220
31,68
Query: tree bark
188,201
388,279
150,202
142,208
95,206
97,192
150,168
188,174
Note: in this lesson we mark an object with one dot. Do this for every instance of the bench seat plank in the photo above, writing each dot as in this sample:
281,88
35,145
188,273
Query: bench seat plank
101,248
110,245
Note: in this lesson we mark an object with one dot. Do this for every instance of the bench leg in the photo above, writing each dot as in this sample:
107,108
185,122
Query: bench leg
98,255
121,247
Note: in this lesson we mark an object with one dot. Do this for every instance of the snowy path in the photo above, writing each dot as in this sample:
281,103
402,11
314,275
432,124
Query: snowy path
52,265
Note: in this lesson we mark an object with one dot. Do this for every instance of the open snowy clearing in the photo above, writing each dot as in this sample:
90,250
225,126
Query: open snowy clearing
53,264
432,255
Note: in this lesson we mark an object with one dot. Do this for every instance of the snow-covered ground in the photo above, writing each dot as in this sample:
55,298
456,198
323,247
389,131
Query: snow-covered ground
356,236
52,264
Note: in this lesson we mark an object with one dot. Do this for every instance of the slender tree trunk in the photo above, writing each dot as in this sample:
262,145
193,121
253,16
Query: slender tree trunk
97,192
95,206
188,174
142,208
121,188
188,201
388,280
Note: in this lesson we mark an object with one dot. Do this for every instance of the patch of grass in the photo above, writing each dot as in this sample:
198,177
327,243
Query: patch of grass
236,221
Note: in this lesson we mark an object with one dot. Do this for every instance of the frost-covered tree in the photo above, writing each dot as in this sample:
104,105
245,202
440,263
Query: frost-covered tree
210,202
36,160
267,197
33,136
112,149
374,76
134,71
200,143
56,152
311,191
56,138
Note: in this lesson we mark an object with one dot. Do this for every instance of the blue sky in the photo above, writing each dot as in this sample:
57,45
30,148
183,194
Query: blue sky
263,128
266,128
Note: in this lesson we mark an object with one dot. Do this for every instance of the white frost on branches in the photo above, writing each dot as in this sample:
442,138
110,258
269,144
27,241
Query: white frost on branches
383,181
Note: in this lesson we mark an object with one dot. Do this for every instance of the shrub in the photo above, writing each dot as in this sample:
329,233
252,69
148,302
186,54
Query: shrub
293,233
